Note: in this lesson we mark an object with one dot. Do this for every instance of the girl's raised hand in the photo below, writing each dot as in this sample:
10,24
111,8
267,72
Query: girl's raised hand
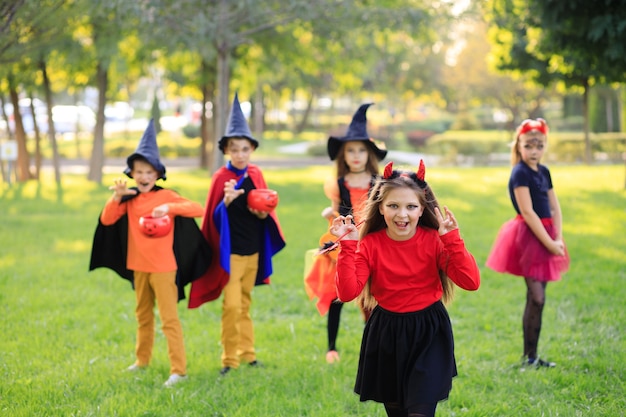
344,227
448,224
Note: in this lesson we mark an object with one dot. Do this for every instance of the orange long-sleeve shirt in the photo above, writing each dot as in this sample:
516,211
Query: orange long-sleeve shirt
148,254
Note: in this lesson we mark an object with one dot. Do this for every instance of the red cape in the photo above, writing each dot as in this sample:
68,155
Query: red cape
210,285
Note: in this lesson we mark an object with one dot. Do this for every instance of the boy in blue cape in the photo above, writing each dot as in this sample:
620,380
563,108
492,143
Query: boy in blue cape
243,242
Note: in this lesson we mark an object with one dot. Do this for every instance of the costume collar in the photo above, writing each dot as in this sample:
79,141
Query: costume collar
238,172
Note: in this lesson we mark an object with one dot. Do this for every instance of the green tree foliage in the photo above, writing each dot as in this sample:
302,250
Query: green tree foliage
28,35
577,42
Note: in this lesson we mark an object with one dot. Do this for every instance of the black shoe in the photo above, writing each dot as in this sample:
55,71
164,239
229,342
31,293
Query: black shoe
225,370
539,363
255,364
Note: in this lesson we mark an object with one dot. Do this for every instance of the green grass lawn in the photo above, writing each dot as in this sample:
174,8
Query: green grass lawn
67,334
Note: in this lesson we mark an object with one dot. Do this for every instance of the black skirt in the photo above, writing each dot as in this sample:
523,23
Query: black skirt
407,358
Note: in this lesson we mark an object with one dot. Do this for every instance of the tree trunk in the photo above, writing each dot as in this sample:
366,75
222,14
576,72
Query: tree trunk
207,146
259,111
51,130
37,137
5,177
220,112
305,116
5,117
608,110
97,153
586,121
22,163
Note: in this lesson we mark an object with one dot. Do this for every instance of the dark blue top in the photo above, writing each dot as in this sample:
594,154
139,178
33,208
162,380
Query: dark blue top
538,182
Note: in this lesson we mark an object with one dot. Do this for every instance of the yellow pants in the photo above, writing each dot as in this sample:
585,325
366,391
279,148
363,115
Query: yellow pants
237,327
162,287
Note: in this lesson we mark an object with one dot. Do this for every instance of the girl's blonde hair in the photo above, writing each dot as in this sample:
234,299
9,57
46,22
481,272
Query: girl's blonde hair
529,127
374,221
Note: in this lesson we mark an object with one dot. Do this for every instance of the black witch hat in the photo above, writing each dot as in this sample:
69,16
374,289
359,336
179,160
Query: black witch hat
237,127
356,131
147,149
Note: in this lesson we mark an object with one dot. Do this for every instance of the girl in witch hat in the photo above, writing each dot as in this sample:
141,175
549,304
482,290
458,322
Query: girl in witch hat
402,263
244,240
356,158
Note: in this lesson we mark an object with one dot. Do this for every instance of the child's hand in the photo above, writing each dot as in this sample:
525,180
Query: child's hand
344,227
557,248
230,193
161,210
448,224
260,214
120,189
329,214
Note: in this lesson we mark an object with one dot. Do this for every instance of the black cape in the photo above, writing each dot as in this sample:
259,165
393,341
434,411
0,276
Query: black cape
191,249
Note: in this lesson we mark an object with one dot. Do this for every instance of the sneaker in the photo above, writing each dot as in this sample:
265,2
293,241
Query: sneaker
255,364
332,356
225,370
174,379
134,368
539,363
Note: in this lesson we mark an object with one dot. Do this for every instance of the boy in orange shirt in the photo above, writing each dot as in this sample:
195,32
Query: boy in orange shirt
157,267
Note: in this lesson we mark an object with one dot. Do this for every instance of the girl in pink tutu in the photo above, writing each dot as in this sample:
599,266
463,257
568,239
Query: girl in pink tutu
531,245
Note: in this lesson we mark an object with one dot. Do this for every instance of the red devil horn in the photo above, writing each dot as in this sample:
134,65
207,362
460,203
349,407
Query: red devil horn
421,171
388,170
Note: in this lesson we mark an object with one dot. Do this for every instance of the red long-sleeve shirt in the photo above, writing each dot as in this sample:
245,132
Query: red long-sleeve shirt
148,254
405,274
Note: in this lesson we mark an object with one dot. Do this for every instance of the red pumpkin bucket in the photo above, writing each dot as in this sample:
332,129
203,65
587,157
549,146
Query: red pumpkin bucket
155,226
262,199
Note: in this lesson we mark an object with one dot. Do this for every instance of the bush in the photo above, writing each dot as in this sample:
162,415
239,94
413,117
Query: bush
317,149
191,131
418,138
465,121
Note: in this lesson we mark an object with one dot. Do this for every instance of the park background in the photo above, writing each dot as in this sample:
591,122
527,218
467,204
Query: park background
450,81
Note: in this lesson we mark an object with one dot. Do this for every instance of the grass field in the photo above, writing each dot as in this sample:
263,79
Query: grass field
67,334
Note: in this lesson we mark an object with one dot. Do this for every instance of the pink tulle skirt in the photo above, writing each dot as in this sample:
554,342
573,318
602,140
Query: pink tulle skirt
517,251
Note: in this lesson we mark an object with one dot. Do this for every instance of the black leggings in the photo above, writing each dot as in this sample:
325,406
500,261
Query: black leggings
334,314
417,410
531,322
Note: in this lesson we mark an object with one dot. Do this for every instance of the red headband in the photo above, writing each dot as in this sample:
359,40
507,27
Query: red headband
418,177
528,125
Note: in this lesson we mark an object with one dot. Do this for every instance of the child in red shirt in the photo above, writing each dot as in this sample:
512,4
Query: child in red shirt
403,263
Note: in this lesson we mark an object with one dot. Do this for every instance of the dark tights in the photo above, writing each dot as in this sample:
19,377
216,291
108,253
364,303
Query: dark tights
417,410
535,300
334,314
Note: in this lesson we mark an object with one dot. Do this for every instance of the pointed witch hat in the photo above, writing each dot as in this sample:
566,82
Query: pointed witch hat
148,150
237,126
356,131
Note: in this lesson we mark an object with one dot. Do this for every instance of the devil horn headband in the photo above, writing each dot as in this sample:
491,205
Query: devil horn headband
388,170
419,177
